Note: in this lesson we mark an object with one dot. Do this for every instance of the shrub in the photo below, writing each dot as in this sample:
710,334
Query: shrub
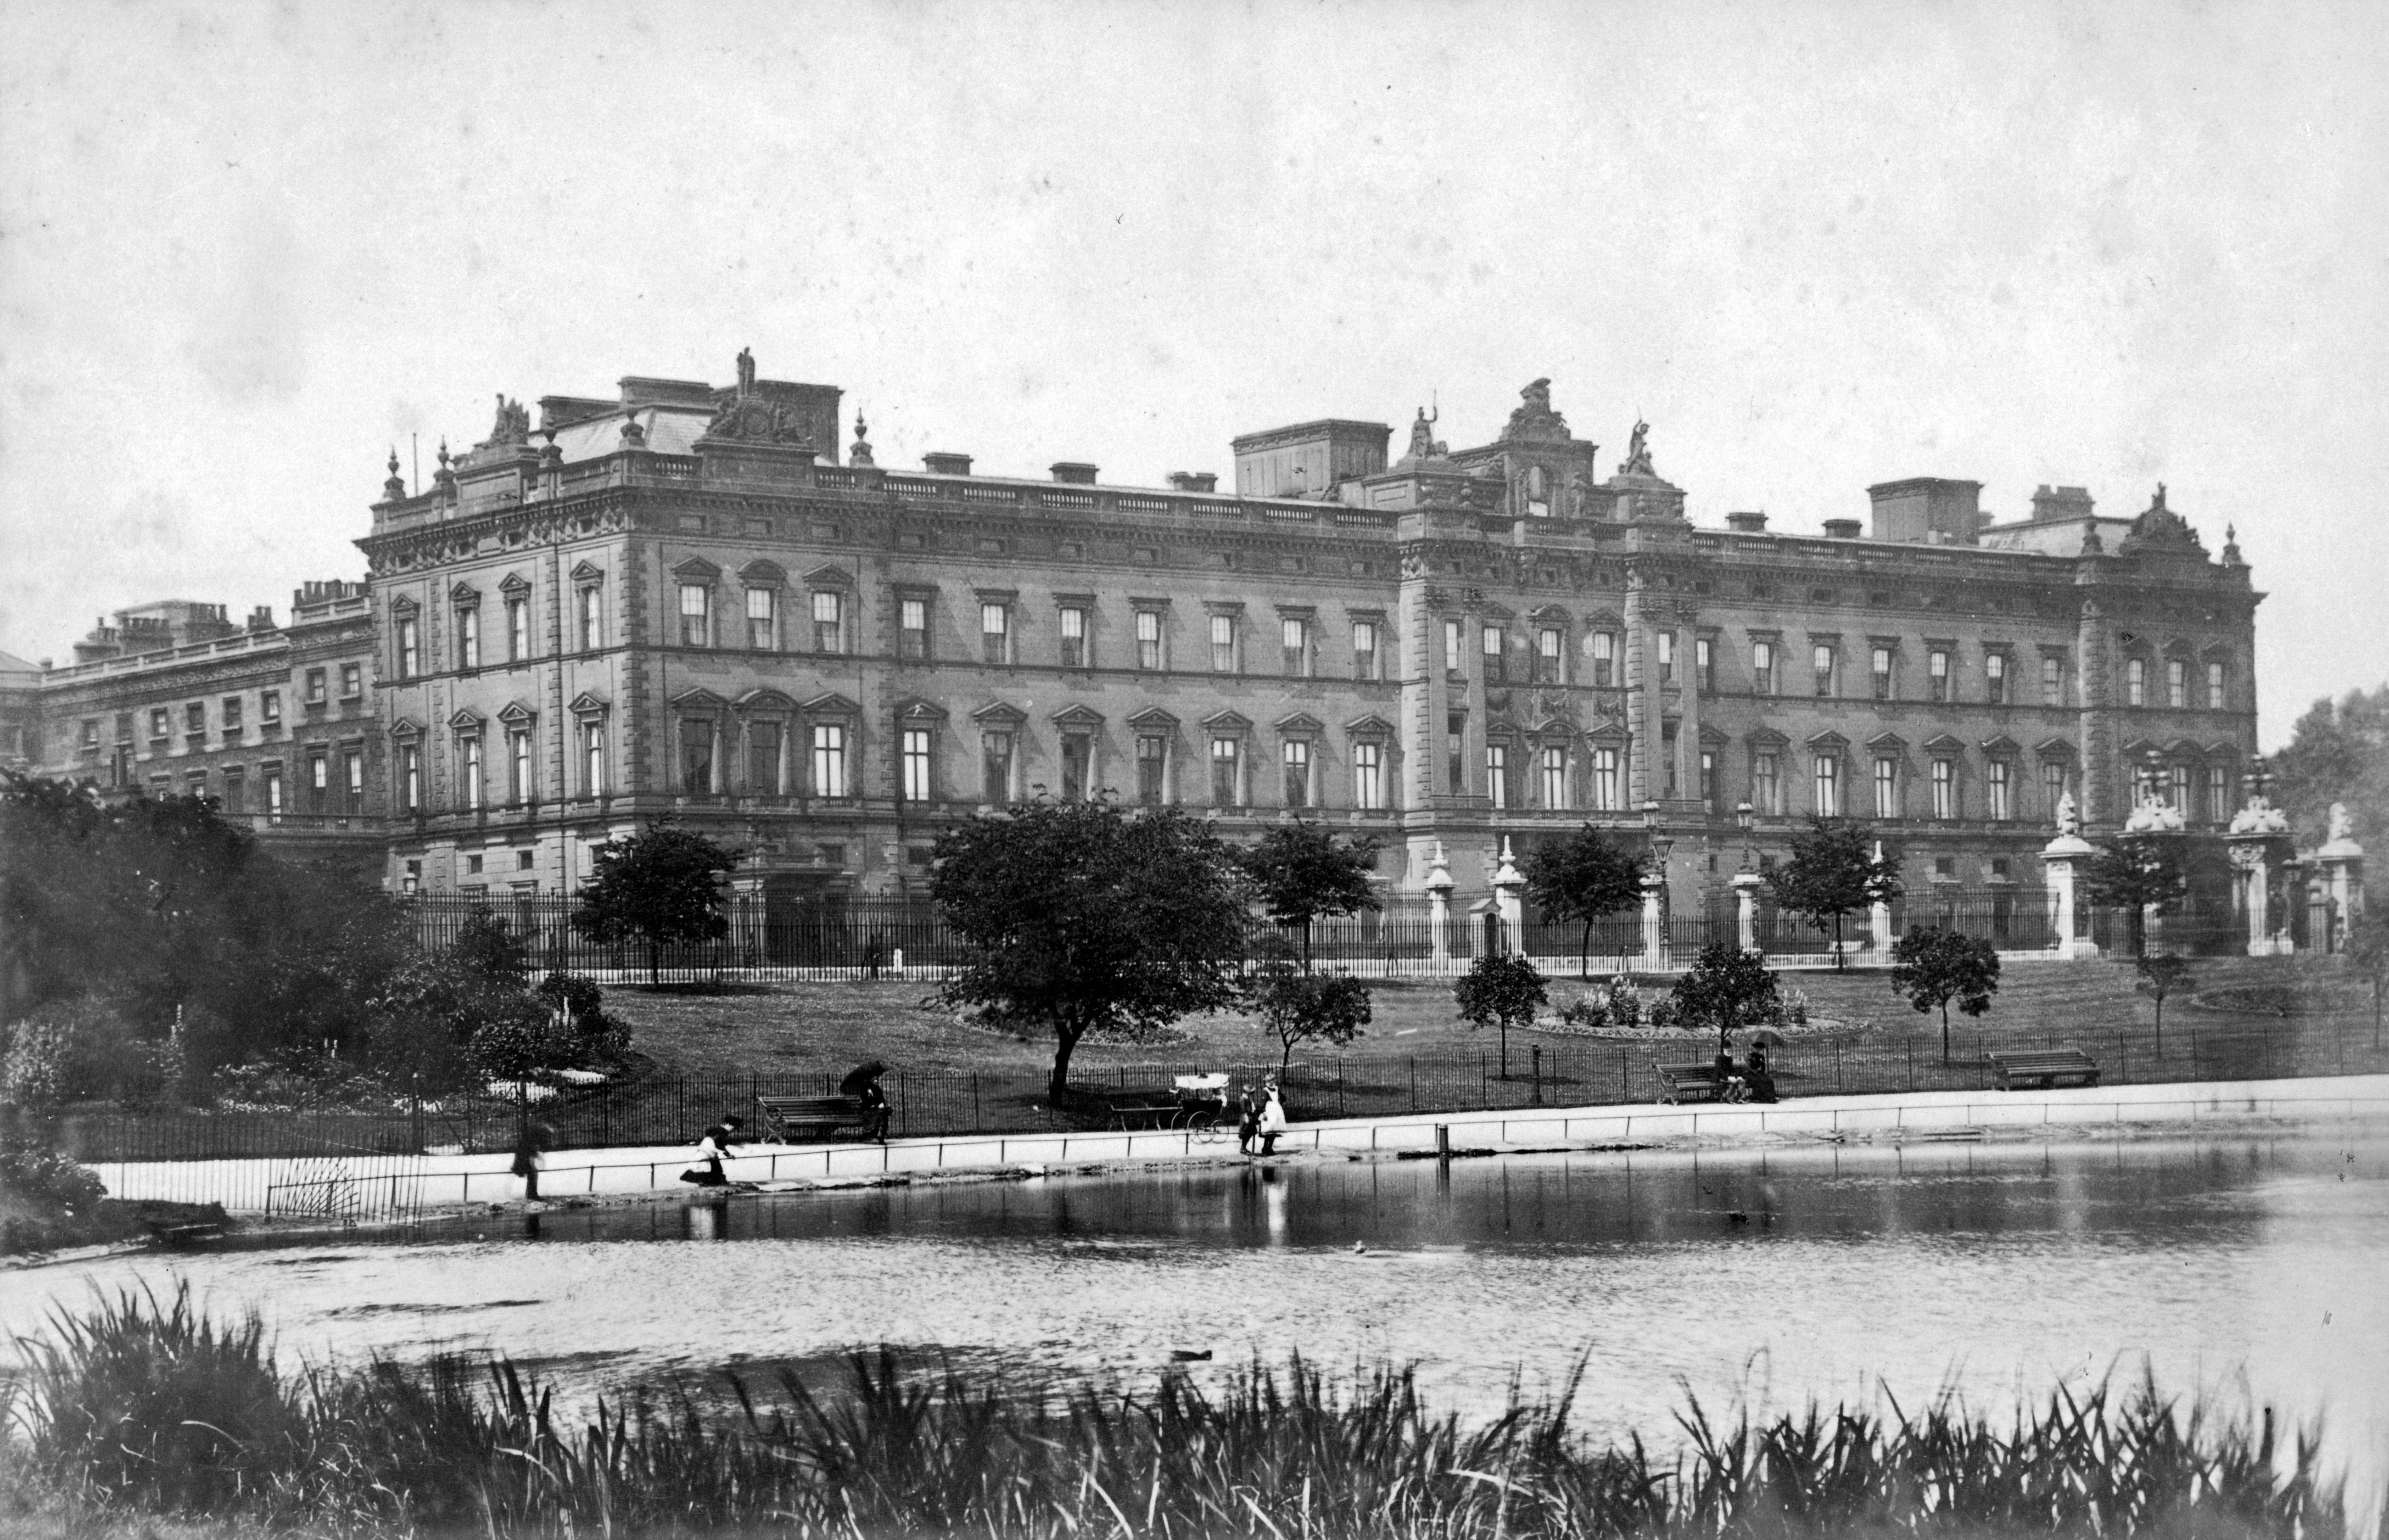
1625,1002
1663,1015
47,1181
1586,1010
70,1050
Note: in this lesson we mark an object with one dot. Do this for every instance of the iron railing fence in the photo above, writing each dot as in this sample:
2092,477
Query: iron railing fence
861,937
1539,1069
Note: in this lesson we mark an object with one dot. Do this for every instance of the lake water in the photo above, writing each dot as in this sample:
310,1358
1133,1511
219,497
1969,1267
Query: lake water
2258,1268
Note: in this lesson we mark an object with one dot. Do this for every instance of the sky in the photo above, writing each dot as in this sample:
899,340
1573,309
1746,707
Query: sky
245,249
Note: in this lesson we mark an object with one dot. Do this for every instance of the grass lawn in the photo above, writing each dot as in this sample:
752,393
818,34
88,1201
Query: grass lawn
808,1028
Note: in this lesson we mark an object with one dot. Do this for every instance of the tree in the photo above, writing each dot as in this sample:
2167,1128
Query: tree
662,888
1501,989
1582,878
1295,1006
1300,871
2338,754
1934,966
1726,987
1080,918
2162,975
2367,953
2137,873
1832,872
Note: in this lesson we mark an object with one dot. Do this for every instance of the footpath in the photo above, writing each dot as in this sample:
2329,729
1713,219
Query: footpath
377,1186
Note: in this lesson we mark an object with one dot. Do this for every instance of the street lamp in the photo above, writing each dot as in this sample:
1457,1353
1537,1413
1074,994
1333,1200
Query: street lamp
1660,843
1747,818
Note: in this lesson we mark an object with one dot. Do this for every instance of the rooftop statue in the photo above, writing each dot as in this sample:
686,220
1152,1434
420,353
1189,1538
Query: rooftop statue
746,371
1533,416
513,425
1638,451
1422,443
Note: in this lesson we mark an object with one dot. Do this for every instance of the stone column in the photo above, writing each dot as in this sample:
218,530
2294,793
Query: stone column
1507,905
1879,917
1654,920
2252,865
1745,908
2061,864
1438,897
2340,863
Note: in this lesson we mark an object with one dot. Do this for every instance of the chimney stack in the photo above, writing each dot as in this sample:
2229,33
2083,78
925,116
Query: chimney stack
1075,473
1843,528
1194,480
939,462
1748,523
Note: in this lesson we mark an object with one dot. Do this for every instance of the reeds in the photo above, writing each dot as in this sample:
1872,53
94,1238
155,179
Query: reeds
142,1405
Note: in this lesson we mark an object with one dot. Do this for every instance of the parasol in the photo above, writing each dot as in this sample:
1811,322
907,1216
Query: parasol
1766,1037
861,1075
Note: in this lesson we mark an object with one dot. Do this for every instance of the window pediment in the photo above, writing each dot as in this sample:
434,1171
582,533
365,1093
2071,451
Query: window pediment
2182,748
1076,715
588,703
1550,614
1610,734
467,720
999,714
830,703
1828,742
514,585
1296,724
1228,722
1370,726
1714,737
919,710
588,571
1944,743
406,728
698,700
2054,748
2001,747
514,713
763,574
1887,743
2137,748
1553,729
766,700
696,569
1154,717
464,595
403,605
829,575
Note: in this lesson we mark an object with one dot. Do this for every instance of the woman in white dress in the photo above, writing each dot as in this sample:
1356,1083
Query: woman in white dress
1273,1118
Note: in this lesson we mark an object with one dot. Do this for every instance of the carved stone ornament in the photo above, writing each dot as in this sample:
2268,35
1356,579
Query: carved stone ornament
2159,528
1638,453
2069,819
512,424
1423,445
749,417
1533,417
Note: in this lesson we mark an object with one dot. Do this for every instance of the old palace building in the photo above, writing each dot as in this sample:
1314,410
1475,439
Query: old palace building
684,600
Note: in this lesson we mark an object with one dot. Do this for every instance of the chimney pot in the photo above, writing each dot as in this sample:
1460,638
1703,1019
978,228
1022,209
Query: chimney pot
1843,528
1075,473
1750,523
940,463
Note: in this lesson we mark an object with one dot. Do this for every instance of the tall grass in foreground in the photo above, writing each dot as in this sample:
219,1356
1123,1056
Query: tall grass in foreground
139,1406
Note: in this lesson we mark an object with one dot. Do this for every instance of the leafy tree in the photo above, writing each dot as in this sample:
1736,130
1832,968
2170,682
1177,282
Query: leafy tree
2367,953
1295,1006
2162,975
662,888
1932,966
1501,989
1832,872
1300,871
2338,753
1725,988
1082,917
1582,878
2137,873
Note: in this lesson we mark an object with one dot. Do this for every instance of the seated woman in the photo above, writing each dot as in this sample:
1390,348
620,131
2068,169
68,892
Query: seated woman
1762,1085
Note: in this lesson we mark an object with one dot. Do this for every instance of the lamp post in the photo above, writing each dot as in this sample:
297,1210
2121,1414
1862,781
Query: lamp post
1655,891
1747,818
1745,883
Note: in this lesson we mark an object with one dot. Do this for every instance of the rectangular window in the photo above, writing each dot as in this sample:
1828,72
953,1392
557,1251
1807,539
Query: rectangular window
1455,735
1152,768
1666,657
269,708
2219,793
1554,767
1604,657
2053,788
1451,659
274,791
1886,787
518,629
697,756
2215,687
592,618
764,758
352,681
829,623
913,629
195,719
917,765
1296,638
995,632
1550,649
352,776
1227,772
1704,664
1148,640
593,757
1496,654
410,647
235,791
1605,797
1367,775
1936,675
1497,774
2053,679
1821,663
1668,759
1223,644
410,777
1945,788
1997,781
1995,678
160,722
1708,781
995,756
764,620
2136,682
518,782
319,778
1078,760
314,686
695,615
468,753
230,712
1296,755
469,637
91,733
2177,788
1881,661
2176,683
829,759
1762,667
1766,783
1365,649
1074,636
1829,787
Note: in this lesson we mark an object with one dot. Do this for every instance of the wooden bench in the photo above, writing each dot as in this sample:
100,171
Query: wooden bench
1125,1109
1688,1081
801,1119
2044,1068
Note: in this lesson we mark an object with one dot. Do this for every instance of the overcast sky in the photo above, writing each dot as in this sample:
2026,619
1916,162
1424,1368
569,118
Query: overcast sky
247,249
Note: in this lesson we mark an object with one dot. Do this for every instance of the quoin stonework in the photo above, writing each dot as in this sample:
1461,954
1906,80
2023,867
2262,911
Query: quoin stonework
688,600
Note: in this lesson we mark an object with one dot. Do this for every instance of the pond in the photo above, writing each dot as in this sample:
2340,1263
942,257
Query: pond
2250,1267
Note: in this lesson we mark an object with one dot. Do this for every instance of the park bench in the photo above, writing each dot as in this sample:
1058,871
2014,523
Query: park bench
166,1232
1126,1109
1688,1081
801,1119
2043,1069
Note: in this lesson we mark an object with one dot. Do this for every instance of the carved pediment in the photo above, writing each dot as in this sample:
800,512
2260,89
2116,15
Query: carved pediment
1370,726
1609,733
1765,737
588,571
2222,752
766,698
468,720
1550,614
1713,738
403,605
514,713
589,703
1298,724
1552,729
917,709
1828,741
999,714
829,575
759,573
1887,743
1076,715
2182,748
1605,619
698,698
830,703
407,727
696,569
2001,747
1228,722
2137,749
2054,748
464,595
514,585
1153,718
1945,743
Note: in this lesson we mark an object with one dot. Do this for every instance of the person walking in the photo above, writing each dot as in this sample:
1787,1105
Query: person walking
1248,1119
1272,1117
530,1156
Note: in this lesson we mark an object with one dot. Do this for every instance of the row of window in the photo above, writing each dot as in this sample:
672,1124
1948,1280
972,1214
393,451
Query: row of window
231,712
516,767
407,629
331,781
